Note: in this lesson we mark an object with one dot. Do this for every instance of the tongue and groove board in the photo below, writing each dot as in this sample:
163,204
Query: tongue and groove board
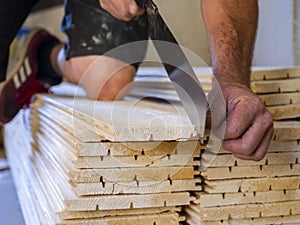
118,121
248,211
286,220
99,176
280,99
71,142
287,130
80,168
265,192
252,185
285,112
54,202
259,74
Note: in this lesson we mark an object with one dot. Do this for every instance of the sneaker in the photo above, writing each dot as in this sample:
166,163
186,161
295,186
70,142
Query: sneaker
21,82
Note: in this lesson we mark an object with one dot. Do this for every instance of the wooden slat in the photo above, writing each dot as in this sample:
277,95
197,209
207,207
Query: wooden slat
128,202
276,86
287,130
115,213
226,199
131,174
286,220
146,187
280,99
275,73
115,174
222,173
135,161
104,148
159,219
116,118
291,111
248,211
278,146
229,160
252,185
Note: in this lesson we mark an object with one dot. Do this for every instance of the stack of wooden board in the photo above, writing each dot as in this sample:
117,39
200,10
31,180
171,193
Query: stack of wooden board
279,90
153,82
245,192
238,192
85,162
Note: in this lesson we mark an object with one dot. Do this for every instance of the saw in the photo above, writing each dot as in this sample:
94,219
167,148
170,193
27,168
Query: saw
179,70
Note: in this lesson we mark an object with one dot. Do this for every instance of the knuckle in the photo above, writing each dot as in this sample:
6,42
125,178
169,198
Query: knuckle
268,118
246,149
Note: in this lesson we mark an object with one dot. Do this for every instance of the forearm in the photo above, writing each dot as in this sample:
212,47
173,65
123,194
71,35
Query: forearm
231,27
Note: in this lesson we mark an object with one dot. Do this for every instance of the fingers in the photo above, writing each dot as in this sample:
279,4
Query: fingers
122,9
254,142
249,127
242,112
261,150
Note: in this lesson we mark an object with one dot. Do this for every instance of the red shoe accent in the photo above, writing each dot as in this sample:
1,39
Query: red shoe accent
21,83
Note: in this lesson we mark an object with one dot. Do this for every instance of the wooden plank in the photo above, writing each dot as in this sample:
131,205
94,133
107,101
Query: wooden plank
248,211
226,199
119,174
104,148
114,202
134,161
273,73
278,146
286,130
276,86
280,99
284,220
131,174
142,187
138,148
127,121
58,147
284,146
271,158
222,173
25,195
159,219
116,213
251,185
60,192
291,111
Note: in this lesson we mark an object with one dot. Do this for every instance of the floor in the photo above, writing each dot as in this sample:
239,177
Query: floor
10,211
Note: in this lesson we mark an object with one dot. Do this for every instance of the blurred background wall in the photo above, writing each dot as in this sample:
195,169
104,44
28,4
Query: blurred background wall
277,37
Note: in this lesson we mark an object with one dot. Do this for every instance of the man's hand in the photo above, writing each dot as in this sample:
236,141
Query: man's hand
249,124
122,9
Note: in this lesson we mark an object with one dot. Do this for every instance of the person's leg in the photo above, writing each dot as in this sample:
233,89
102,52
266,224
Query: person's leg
106,83
92,34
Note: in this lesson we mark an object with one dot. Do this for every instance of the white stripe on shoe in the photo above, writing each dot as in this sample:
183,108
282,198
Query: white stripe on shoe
22,74
27,66
17,82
